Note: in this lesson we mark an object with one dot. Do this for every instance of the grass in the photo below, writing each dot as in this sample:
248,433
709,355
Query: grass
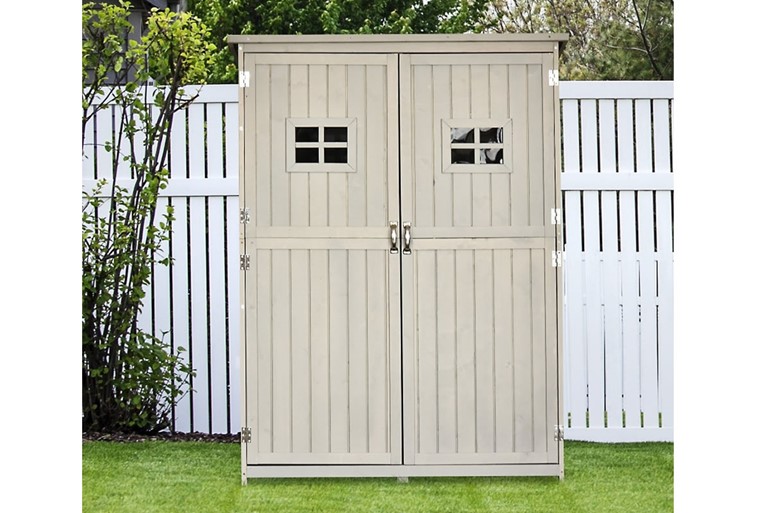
193,477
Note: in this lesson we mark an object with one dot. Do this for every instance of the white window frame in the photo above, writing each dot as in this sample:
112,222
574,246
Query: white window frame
447,146
292,166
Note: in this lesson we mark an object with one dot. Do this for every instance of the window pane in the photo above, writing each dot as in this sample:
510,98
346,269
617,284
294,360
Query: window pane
491,135
306,134
306,154
335,134
462,156
462,135
336,155
491,156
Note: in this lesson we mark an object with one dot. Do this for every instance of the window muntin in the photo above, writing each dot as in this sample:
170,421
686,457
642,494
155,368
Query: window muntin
476,146
320,144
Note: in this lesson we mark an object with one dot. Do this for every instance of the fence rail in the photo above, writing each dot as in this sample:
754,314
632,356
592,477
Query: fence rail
618,229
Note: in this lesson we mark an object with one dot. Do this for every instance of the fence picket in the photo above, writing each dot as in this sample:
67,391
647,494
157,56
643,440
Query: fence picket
618,297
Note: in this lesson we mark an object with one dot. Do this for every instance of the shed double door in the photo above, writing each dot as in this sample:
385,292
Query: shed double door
359,350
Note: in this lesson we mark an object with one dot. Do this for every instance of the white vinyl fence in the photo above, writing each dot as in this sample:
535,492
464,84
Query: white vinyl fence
618,229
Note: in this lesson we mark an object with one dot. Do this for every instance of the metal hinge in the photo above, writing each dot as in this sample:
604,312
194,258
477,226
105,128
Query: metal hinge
553,77
245,215
557,258
555,216
245,262
244,77
245,435
558,433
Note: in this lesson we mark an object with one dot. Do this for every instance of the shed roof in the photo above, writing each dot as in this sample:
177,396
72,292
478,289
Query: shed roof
380,42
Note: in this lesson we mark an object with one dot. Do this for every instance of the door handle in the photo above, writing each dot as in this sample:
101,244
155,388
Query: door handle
407,238
393,237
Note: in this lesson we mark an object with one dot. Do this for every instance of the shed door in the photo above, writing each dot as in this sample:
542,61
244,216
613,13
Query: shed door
480,341
323,376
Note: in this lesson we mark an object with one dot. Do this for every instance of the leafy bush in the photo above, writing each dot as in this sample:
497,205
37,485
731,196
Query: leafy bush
131,379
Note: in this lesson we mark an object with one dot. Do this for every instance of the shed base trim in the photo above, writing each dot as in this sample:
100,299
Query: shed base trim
266,471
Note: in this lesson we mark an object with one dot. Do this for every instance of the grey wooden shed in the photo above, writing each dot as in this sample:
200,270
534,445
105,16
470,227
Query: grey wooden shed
400,255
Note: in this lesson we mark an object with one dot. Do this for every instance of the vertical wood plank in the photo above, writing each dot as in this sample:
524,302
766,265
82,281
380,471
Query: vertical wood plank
665,308
281,350
178,153
198,287
357,181
376,144
461,182
231,138
279,178
338,182
539,196
540,372
180,333
522,352
481,213
358,366
377,341
318,183
105,134
648,310
519,113
570,136
607,153
90,150
260,187
613,336
447,356
427,392
575,351
643,115
630,310
662,136
594,336
423,165
500,182
503,349
262,311
318,358
301,350
338,372
234,314
625,130
485,351
442,109
217,314
299,92
466,351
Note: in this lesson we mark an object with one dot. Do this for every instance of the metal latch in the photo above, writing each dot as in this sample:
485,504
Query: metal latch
246,435
558,433
244,77
553,77
245,215
557,258
555,216
245,262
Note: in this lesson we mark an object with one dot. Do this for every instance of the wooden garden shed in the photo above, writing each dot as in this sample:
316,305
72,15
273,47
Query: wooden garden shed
400,260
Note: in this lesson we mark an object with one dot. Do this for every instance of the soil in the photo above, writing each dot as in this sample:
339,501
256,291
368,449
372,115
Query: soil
163,436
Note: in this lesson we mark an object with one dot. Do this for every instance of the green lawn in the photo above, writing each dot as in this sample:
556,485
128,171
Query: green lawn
190,477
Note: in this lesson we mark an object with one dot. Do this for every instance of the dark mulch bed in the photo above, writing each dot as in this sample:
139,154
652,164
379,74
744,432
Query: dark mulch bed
164,436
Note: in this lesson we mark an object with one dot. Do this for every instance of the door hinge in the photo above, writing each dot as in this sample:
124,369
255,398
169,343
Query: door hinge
557,258
553,77
558,433
246,435
245,215
555,216
245,262
244,77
